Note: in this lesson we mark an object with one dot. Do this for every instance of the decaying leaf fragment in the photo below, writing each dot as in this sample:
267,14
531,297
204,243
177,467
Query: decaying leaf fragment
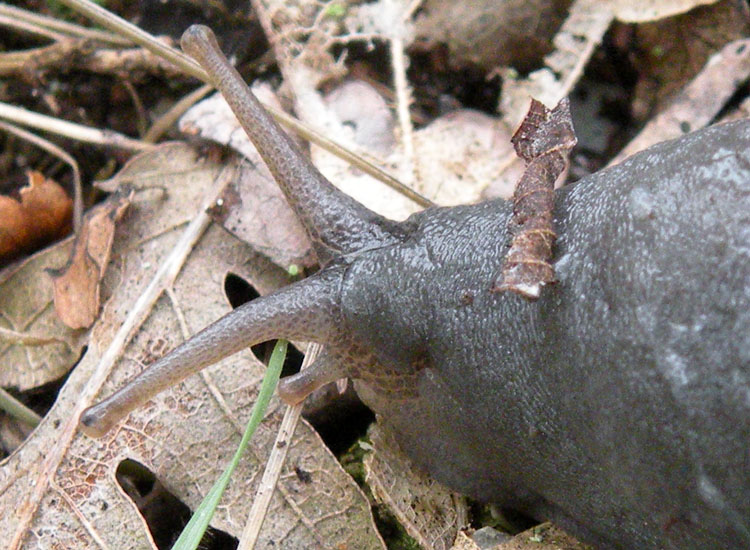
428,511
77,284
43,213
26,307
543,141
60,488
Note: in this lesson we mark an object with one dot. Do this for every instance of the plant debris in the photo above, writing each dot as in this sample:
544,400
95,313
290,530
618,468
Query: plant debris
543,141
77,283
43,213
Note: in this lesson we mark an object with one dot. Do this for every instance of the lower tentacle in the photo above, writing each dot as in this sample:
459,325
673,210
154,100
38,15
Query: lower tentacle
307,310
326,368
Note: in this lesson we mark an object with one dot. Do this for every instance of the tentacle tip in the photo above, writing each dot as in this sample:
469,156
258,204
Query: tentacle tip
293,389
196,35
93,424
290,391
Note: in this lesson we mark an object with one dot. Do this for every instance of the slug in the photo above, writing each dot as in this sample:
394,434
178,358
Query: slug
617,405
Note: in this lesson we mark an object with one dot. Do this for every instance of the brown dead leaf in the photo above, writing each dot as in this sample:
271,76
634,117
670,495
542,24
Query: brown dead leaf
253,209
14,232
77,283
360,107
489,33
574,44
43,213
486,538
59,488
669,53
458,156
699,102
26,307
464,542
464,152
429,512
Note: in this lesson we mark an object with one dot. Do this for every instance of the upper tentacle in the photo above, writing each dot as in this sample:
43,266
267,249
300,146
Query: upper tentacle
307,310
336,223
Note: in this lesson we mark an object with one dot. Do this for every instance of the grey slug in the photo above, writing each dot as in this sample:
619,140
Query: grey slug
617,405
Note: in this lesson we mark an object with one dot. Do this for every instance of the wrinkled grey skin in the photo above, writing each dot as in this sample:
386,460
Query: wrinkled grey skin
617,405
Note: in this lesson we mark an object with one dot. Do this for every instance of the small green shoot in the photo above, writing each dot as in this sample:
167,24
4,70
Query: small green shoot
193,532
336,10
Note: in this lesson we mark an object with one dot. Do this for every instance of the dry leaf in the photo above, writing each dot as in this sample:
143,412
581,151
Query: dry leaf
461,154
574,44
301,35
543,537
628,11
668,54
489,33
699,102
43,213
458,156
429,512
77,283
486,538
360,107
464,542
59,488
252,208
26,306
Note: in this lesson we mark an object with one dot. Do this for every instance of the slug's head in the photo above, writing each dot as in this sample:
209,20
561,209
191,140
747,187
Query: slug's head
341,231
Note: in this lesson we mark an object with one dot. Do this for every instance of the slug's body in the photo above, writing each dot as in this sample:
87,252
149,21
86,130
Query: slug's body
617,405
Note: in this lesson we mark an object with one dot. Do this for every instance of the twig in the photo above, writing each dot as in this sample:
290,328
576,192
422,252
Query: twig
117,24
61,26
26,339
164,122
80,53
142,38
543,141
53,149
70,129
270,478
403,93
18,410
29,27
140,110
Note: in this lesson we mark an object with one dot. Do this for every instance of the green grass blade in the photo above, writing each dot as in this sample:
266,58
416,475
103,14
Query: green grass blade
193,532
